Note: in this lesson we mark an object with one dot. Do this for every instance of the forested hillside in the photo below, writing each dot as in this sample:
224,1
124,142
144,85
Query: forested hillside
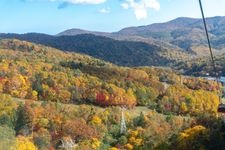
125,53
51,99
203,67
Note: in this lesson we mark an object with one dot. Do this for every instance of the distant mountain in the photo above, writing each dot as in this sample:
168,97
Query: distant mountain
160,44
126,53
72,32
182,33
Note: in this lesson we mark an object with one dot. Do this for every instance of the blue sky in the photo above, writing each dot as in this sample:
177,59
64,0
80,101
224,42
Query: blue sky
54,16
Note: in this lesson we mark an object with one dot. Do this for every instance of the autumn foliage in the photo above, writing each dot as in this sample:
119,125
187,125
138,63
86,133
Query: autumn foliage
50,99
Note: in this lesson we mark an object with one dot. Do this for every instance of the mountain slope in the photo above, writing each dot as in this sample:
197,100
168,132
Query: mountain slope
186,33
127,53
43,73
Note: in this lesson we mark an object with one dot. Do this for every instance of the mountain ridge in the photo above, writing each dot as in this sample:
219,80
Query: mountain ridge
174,32
179,20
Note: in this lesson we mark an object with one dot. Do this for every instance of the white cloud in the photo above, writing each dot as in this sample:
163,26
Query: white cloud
125,5
85,1
81,1
104,10
140,7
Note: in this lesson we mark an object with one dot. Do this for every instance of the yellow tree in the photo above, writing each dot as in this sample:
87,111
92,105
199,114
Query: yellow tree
192,138
24,143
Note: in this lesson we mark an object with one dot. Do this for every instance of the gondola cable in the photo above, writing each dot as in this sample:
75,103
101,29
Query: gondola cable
208,40
221,107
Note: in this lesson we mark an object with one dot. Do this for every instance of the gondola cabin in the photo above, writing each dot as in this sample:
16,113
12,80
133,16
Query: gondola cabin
221,107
